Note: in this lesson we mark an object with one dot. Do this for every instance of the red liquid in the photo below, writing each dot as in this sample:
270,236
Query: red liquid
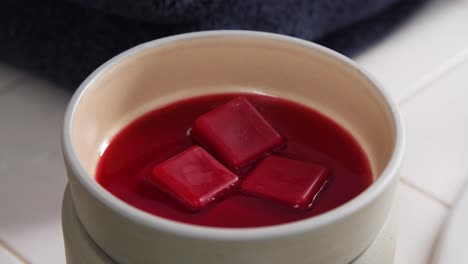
162,133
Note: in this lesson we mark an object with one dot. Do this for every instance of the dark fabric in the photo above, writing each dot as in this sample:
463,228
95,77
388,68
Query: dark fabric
64,40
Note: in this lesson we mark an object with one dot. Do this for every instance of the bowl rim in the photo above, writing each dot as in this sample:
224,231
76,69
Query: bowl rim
141,217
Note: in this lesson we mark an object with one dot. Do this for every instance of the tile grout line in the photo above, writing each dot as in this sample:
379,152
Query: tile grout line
8,87
406,96
432,76
416,89
424,192
13,252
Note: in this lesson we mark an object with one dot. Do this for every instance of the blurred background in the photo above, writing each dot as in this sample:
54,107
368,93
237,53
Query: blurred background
418,49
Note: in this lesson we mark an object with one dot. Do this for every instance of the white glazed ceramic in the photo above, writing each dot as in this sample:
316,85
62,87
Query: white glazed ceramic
161,71
80,248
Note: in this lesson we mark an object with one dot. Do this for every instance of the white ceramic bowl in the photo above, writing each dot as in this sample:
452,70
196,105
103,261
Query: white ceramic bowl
161,71
80,248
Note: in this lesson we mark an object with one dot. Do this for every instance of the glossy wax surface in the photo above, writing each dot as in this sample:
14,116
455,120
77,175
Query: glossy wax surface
162,133
292,182
236,133
193,177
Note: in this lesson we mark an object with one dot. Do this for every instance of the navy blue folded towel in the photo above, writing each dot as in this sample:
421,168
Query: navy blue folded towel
65,40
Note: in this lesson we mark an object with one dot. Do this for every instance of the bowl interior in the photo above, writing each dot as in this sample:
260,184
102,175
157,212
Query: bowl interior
156,74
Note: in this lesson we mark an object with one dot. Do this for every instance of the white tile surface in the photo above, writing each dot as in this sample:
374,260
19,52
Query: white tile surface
437,32
421,220
33,178
437,136
6,257
453,240
32,175
8,76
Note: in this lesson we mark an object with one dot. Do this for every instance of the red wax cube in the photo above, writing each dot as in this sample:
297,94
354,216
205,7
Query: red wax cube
194,177
236,133
288,181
